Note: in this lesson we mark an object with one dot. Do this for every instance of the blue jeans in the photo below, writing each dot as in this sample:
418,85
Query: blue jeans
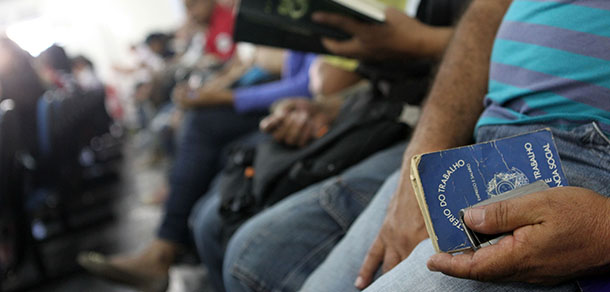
584,154
205,133
277,249
207,234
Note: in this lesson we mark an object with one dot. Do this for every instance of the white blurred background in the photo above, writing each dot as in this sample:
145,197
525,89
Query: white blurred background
102,30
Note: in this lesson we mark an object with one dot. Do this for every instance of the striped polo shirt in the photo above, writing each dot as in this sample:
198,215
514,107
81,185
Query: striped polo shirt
551,64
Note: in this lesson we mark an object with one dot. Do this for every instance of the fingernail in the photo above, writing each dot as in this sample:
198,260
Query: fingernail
358,282
431,264
477,216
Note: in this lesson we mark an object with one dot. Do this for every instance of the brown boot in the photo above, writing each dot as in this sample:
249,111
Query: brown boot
147,271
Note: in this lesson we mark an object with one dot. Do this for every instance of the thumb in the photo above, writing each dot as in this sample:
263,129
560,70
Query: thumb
504,216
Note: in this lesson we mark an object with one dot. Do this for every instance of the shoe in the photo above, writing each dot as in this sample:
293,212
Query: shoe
100,266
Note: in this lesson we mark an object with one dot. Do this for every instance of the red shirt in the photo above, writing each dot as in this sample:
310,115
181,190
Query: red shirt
219,41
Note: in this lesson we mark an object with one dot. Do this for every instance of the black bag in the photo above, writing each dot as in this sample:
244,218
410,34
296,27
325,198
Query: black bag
258,177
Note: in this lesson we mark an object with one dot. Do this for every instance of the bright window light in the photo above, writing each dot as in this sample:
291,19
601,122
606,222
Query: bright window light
34,35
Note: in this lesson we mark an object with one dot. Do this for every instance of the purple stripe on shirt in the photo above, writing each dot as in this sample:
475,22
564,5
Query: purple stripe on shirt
497,111
581,43
517,104
577,91
598,4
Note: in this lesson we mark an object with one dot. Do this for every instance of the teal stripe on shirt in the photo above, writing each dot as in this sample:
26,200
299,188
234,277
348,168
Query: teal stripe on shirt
553,62
562,15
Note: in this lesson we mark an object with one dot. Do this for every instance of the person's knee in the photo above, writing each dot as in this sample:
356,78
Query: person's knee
205,220
199,224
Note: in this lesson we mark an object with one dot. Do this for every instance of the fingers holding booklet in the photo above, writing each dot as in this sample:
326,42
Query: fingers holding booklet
503,208
398,37
556,235
448,181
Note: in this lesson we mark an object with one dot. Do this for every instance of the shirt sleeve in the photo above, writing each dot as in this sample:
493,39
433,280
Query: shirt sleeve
293,84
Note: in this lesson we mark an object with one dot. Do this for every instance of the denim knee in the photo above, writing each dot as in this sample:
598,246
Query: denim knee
206,228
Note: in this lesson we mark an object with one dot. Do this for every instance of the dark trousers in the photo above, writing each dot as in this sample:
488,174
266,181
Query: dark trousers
199,157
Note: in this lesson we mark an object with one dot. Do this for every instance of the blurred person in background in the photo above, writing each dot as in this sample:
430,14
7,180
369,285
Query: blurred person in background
21,83
84,73
55,69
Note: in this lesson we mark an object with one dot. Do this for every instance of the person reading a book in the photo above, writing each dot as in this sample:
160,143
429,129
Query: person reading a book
536,74
315,219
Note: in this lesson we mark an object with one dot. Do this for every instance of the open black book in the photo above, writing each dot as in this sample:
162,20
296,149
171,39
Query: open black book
288,24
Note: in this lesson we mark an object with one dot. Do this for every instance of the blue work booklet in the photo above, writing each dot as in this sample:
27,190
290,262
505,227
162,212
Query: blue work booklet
450,180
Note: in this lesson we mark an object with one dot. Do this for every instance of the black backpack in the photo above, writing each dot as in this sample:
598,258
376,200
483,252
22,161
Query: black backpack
258,177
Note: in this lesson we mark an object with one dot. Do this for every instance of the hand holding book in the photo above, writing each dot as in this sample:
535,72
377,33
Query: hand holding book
399,36
557,235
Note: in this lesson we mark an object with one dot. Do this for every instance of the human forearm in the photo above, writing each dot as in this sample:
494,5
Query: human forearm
208,97
260,97
456,99
432,42
448,119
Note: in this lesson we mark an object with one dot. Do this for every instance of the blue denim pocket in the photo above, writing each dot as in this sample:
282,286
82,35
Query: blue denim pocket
346,198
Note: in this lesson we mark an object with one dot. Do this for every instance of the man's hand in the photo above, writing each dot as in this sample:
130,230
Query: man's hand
402,229
400,35
558,234
296,122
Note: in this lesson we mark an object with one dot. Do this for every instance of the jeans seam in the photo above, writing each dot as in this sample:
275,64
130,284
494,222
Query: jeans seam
245,277
360,196
259,285
249,279
601,133
326,205
329,241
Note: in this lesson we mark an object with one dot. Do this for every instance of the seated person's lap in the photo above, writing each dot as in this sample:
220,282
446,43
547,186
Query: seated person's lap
583,151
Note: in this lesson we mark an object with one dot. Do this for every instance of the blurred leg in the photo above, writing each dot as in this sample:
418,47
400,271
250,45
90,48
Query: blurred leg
205,134
207,234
